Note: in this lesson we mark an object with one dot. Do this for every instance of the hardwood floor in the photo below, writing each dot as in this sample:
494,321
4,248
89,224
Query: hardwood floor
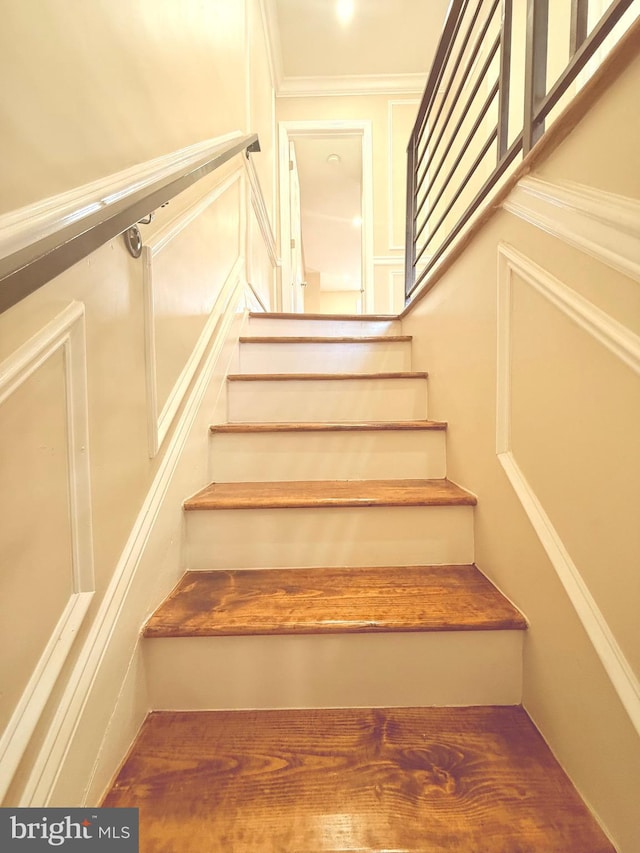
330,493
471,780
333,600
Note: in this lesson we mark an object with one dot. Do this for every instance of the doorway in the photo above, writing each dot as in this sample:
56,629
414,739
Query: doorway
333,224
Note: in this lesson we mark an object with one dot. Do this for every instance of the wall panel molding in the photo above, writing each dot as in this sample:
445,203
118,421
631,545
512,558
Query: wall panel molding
624,345
261,213
66,334
159,422
57,742
396,290
601,224
390,191
393,265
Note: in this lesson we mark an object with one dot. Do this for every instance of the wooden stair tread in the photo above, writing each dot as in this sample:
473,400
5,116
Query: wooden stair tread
291,377
333,600
329,493
275,315
410,779
318,339
344,426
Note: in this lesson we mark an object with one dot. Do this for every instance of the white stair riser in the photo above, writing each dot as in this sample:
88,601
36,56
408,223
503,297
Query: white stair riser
324,400
376,357
325,671
267,326
340,455
332,536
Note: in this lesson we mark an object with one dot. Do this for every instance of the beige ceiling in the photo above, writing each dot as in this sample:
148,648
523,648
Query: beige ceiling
384,38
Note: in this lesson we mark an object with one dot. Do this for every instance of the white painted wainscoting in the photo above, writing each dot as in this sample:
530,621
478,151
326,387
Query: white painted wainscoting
625,345
161,412
65,334
156,521
63,752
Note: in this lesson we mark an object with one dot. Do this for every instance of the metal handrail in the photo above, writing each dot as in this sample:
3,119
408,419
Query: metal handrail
29,268
457,49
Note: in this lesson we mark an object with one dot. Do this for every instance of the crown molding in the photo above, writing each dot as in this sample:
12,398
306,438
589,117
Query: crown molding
352,84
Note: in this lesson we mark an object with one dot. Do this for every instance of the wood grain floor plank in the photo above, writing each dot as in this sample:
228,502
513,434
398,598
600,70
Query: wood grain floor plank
329,493
469,780
333,600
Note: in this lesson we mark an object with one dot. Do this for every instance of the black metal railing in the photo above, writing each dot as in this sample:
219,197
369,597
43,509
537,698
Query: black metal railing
29,268
486,104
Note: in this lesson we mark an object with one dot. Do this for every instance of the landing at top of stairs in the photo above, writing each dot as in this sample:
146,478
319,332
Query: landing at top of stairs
320,339
333,600
332,318
296,377
330,493
328,426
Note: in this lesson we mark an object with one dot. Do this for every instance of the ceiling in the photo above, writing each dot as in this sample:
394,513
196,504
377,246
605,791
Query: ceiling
385,46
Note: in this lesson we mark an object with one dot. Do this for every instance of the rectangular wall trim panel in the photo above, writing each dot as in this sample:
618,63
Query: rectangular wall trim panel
159,423
626,346
409,102
65,333
50,759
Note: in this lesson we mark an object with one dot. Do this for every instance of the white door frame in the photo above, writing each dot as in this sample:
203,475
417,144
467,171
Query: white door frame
348,127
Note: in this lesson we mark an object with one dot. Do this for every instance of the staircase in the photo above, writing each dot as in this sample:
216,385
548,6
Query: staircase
365,674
